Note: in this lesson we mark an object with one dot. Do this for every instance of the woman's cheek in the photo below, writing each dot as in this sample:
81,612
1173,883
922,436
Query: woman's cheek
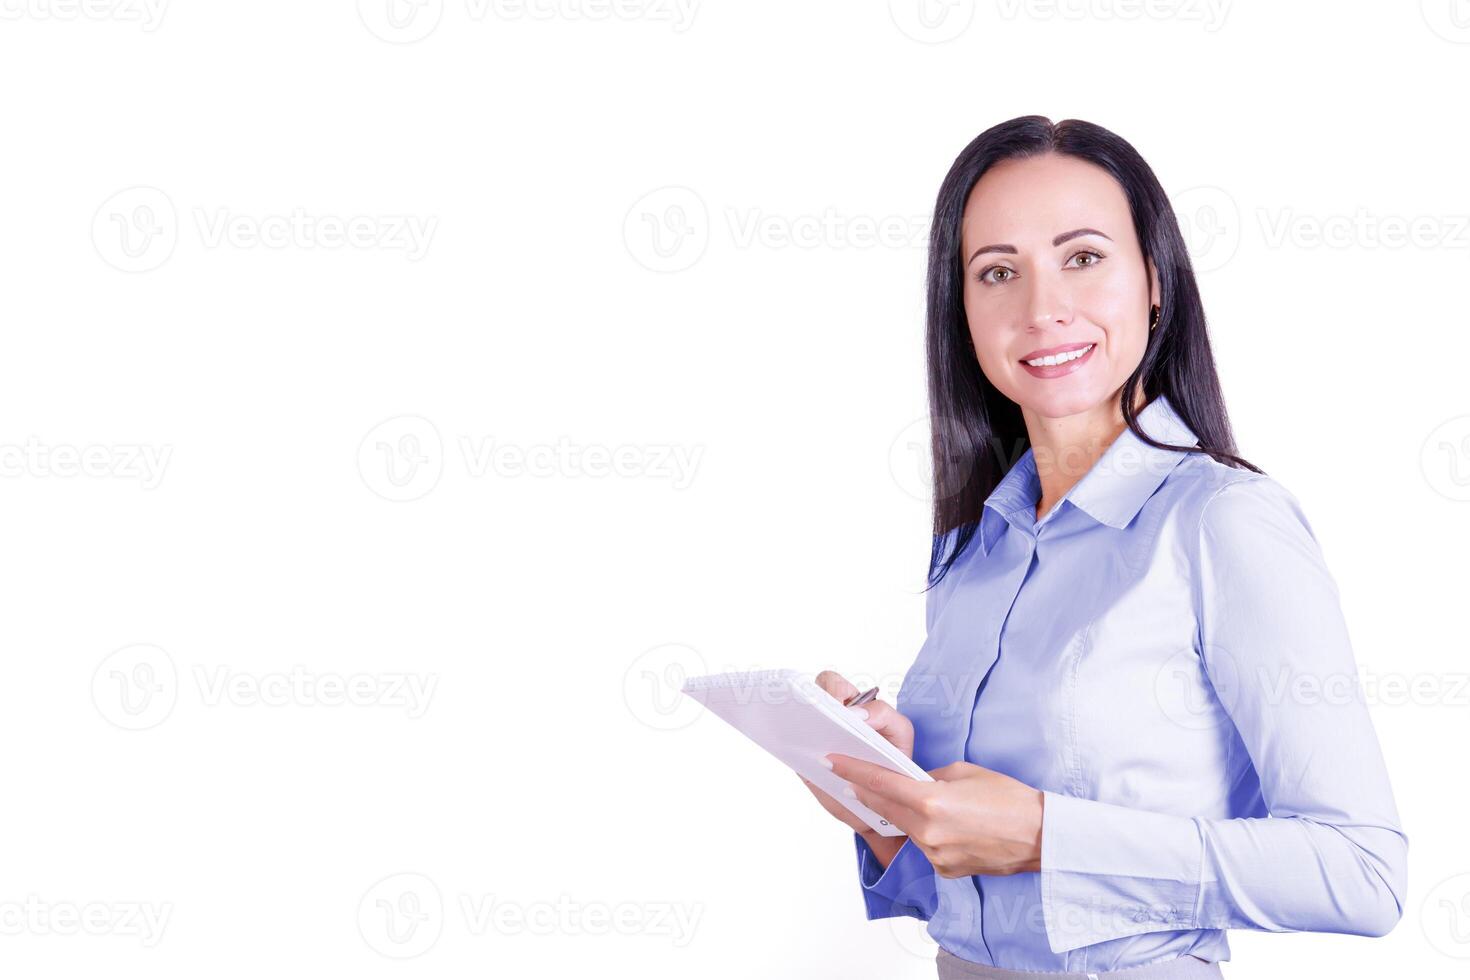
992,362
989,340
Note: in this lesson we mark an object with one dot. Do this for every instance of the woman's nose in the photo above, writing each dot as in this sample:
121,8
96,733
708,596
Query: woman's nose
1050,302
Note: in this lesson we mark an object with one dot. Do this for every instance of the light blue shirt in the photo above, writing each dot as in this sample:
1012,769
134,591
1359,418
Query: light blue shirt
1164,655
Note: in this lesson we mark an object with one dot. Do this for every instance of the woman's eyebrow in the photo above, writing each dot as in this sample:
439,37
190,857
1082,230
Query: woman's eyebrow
1063,237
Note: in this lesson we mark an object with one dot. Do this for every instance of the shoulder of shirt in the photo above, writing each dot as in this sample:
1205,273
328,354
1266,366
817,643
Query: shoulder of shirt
1241,498
1206,490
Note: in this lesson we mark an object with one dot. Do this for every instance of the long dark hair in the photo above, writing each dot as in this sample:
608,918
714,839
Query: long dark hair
977,432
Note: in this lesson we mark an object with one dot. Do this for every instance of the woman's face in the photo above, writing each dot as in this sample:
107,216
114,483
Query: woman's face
1051,261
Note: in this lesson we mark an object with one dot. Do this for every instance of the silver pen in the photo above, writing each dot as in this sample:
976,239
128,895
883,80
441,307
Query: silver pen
860,699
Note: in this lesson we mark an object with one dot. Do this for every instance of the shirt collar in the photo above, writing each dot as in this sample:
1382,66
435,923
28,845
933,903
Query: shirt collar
1112,492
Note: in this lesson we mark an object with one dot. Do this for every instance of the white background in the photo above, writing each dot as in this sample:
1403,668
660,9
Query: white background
646,233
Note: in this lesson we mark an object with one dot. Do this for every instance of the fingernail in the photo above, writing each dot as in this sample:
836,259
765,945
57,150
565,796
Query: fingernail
860,712
847,792
826,762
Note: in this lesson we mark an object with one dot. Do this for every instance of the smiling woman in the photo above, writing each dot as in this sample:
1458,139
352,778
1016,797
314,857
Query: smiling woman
1122,614
1068,243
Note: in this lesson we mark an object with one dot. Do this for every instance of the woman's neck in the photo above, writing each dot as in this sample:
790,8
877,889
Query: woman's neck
1066,447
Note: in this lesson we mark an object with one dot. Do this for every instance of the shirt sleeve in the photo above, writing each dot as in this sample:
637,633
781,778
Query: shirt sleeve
905,887
1331,856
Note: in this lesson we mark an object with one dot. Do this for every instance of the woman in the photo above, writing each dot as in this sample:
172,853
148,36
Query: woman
1137,695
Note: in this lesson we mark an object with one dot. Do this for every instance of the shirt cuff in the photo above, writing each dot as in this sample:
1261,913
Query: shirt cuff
1109,871
905,887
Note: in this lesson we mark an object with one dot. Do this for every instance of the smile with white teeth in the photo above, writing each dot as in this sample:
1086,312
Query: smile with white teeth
1051,359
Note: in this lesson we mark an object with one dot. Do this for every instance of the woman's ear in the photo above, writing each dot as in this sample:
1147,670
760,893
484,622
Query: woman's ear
1154,291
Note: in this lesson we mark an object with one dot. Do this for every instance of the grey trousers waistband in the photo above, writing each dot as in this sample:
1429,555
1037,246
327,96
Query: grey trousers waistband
1186,967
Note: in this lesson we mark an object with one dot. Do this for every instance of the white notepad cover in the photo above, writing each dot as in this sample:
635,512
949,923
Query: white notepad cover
786,713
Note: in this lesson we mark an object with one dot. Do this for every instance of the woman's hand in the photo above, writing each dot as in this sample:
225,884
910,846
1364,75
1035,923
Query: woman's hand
879,714
890,724
970,821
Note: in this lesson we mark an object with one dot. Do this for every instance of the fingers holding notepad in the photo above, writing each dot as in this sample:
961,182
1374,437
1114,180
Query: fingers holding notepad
881,715
800,722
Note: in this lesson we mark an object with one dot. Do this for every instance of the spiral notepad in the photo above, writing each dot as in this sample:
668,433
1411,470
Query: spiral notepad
786,713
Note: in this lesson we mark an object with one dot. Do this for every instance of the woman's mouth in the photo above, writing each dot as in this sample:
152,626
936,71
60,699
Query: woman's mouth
1059,362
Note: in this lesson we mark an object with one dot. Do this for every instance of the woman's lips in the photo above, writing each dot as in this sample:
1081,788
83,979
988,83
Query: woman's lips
1060,370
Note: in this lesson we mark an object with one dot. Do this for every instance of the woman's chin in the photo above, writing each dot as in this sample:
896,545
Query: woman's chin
1053,400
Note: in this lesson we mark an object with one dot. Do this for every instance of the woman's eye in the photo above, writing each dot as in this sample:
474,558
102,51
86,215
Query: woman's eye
996,274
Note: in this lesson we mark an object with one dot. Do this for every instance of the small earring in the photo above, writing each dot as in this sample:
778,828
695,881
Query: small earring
1153,317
